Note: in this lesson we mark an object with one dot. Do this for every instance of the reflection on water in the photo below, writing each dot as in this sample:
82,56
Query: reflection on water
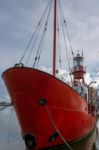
97,142
18,144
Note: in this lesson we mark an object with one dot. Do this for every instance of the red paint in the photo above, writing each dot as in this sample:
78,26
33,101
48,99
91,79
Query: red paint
68,109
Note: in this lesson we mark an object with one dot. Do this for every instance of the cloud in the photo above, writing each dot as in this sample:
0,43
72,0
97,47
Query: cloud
18,20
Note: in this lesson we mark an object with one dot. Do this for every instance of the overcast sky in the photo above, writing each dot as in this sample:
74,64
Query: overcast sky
18,19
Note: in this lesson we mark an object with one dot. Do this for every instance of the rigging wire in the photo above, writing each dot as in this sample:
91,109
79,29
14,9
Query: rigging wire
37,34
40,45
33,45
45,31
58,29
37,58
65,43
59,49
65,23
39,24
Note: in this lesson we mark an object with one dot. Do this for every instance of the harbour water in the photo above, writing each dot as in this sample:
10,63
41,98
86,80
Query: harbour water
97,142
10,133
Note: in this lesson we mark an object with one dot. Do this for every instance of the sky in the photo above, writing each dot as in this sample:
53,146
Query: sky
18,19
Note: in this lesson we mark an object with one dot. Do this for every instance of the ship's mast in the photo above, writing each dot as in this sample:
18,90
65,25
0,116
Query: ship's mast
54,38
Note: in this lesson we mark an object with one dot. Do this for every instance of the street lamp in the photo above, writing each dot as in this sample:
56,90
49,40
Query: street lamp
91,83
89,97
89,89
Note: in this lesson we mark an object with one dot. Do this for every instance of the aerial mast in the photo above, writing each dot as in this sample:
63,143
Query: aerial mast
54,38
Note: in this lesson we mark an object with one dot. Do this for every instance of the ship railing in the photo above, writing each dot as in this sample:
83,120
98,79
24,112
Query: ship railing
78,68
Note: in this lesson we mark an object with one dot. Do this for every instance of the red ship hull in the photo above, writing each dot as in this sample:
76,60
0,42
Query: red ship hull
67,108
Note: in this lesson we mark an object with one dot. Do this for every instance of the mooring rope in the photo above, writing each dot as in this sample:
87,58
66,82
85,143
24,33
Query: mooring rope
55,126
